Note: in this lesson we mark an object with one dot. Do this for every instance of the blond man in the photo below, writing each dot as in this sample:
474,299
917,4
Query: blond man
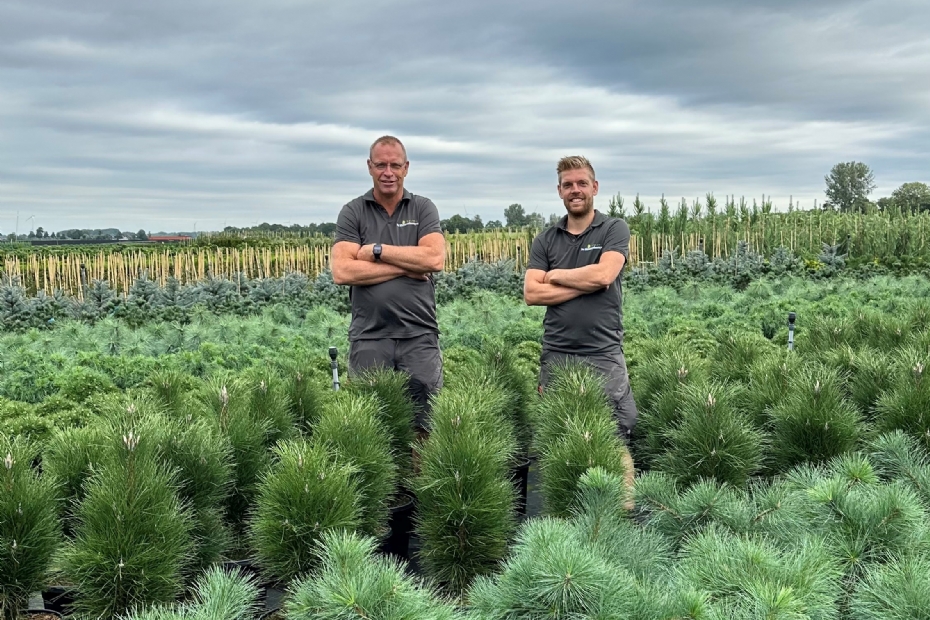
575,270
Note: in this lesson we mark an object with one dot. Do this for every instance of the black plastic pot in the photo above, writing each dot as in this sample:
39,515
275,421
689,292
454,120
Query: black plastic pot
247,566
401,525
520,474
58,599
274,599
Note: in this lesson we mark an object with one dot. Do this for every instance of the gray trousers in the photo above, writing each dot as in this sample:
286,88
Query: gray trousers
617,386
419,357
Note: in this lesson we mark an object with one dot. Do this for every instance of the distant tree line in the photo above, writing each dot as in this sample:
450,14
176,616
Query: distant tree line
848,187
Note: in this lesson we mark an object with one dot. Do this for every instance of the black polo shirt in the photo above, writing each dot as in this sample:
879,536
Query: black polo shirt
402,307
592,323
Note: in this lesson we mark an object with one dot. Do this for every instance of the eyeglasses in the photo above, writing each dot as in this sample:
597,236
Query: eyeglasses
381,166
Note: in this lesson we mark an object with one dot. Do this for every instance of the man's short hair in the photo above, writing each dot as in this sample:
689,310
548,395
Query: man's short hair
574,162
387,140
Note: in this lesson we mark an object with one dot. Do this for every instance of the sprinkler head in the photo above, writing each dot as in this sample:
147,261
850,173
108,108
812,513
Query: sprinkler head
332,353
791,317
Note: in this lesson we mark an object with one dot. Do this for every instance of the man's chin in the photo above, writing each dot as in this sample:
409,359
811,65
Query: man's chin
579,210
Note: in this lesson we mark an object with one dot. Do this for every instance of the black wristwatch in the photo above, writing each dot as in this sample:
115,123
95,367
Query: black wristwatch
376,250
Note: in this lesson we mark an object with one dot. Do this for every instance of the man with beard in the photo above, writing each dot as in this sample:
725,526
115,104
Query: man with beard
575,269
388,245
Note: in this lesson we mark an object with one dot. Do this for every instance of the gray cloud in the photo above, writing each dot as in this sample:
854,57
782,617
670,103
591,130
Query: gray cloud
171,113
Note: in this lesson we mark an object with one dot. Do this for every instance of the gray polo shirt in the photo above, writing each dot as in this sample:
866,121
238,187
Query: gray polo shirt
402,307
593,323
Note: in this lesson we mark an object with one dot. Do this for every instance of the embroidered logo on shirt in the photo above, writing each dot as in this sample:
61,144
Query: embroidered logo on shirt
590,247
403,223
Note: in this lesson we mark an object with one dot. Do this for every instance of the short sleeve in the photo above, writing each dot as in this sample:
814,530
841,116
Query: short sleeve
347,228
428,218
539,258
618,238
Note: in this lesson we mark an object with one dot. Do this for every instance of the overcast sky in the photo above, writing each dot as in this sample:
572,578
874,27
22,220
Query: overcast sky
171,115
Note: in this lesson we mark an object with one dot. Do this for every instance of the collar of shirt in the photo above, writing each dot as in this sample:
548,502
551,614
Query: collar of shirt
599,218
370,196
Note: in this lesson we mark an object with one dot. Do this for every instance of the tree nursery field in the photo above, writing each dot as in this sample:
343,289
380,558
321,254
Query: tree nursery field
178,452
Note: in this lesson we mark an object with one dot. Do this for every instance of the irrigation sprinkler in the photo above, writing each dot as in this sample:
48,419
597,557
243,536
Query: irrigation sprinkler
335,366
791,318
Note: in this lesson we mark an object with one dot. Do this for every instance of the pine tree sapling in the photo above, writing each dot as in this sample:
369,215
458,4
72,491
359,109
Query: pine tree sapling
770,380
736,352
678,514
268,400
305,394
900,457
600,521
713,439
814,423
132,536
201,459
68,459
355,582
465,497
218,595
500,361
225,404
552,574
898,590
863,520
397,409
172,387
29,528
575,431
906,406
656,387
749,573
583,445
304,494
350,428
872,374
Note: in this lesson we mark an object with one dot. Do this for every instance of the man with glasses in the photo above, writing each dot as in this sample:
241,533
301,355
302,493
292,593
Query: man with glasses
388,245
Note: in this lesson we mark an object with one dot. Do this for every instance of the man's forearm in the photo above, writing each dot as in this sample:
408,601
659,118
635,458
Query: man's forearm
546,294
587,279
365,273
419,259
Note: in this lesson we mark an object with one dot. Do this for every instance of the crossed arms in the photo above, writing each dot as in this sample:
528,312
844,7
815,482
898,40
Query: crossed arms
355,265
551,288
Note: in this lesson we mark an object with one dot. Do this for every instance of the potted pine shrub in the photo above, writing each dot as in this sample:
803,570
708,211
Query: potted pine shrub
465,498
396,412
575,431
304,494
500,363
396,409
354,581
30,531
217,595
814,423
349,428
132,540
223,401
906,405
305,394
713,438
656,387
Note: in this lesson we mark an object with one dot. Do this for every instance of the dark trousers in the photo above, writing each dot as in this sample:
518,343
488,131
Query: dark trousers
419,357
